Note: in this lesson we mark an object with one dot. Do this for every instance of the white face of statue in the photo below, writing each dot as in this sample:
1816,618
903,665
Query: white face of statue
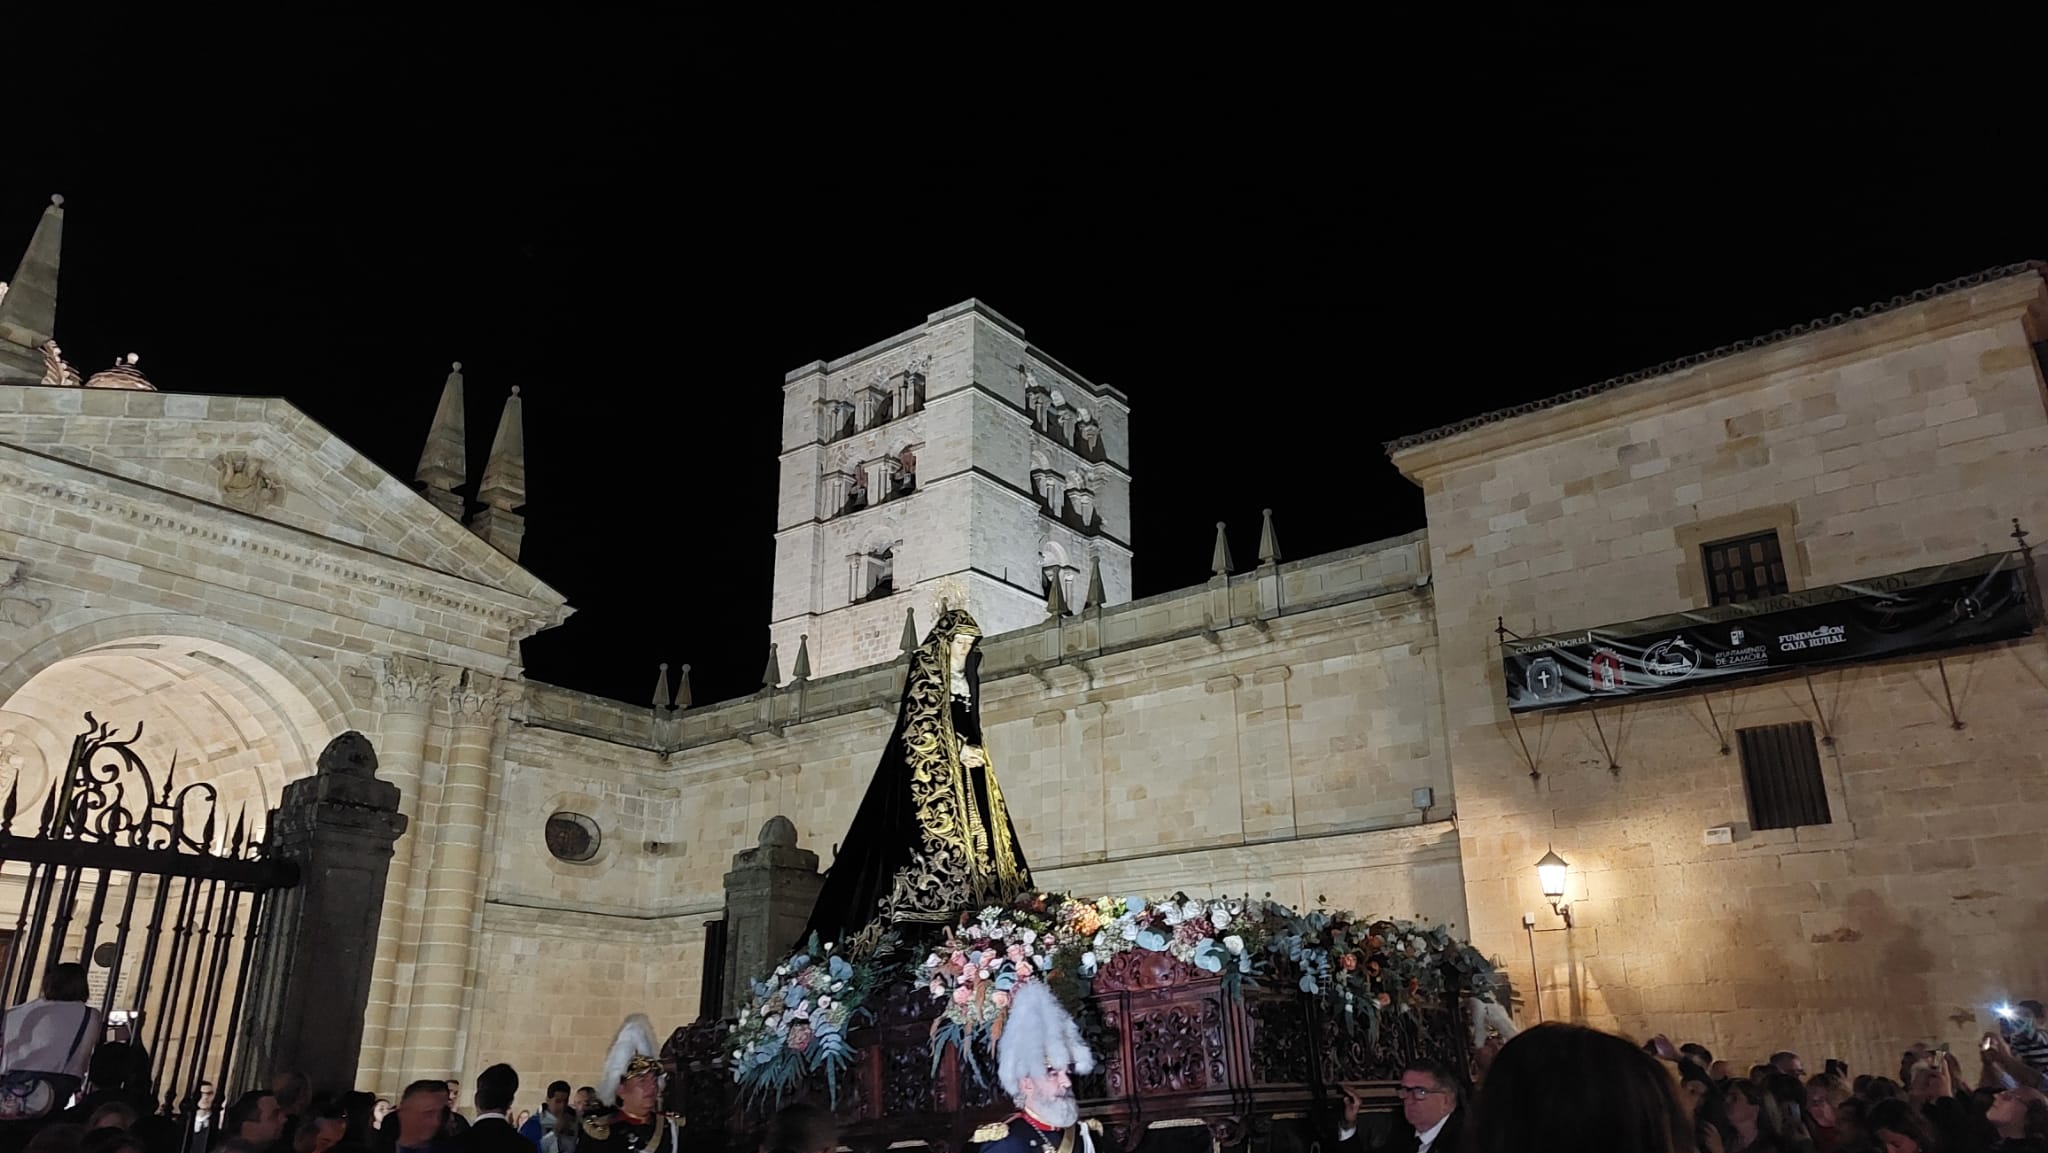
962,646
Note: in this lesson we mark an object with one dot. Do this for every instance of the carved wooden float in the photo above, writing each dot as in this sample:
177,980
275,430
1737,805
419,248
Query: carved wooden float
1180,1059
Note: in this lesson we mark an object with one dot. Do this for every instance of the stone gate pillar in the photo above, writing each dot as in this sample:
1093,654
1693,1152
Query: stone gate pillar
768,900
311,982
405,693
447,928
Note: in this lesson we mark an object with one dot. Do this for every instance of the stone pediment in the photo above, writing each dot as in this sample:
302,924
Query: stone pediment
256,457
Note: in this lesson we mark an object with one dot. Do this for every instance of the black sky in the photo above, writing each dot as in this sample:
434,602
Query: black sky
1285,244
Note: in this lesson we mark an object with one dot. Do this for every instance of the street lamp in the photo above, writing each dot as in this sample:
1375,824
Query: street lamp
1550,871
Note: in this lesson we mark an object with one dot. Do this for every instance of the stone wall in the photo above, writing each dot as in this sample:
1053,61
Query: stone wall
1152,747
1905,439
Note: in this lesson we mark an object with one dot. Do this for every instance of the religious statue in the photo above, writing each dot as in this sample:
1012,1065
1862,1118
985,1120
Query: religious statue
932,837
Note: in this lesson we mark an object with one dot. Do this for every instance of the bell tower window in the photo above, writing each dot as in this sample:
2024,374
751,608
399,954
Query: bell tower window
873,575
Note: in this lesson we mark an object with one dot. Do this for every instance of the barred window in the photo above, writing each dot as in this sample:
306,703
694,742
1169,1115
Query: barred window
1744,568
1781,774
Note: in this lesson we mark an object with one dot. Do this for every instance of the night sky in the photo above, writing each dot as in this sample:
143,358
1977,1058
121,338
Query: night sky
1285,247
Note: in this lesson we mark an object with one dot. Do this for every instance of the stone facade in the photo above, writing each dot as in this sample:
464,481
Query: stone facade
226,572
1903,439
1000,435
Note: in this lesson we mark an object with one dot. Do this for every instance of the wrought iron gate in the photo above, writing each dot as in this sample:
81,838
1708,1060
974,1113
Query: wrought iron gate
173,907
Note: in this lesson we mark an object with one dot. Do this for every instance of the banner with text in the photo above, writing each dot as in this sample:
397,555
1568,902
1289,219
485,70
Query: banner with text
1927,610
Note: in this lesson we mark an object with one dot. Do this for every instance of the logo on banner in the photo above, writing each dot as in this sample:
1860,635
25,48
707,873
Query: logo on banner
1605,672
1672,659
1544,678
1741,656
1817,638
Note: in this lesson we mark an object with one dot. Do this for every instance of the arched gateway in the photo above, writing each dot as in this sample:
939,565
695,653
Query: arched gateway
226,588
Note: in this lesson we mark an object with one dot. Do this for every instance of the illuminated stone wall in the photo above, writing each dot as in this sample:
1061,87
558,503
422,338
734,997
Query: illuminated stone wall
1901,440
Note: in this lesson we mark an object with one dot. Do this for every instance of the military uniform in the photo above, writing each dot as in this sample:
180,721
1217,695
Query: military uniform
1020,1134
613,1131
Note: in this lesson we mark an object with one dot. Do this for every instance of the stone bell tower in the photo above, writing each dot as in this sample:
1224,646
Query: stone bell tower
954,461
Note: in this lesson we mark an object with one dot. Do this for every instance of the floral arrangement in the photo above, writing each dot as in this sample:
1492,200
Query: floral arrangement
1362,969
797,1022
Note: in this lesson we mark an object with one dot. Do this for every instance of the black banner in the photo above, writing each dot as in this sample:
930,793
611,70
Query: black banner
1949,606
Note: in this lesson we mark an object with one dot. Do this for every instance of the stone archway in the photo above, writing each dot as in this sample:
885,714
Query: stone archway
227,708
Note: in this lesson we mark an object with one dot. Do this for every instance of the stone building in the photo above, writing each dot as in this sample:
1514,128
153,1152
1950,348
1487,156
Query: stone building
1899,436
956,456
1330,728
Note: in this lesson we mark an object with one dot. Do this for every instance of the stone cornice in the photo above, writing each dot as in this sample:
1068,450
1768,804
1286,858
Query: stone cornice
2002,295
33,474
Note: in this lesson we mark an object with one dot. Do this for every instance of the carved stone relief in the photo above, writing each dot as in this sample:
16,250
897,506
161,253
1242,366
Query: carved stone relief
246,484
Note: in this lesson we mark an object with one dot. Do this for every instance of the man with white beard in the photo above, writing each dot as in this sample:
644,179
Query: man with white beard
1040,1050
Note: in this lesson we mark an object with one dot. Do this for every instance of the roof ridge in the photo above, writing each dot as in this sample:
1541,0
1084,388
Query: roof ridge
1693,360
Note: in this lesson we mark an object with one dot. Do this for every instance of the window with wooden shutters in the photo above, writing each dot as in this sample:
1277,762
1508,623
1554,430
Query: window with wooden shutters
1781,774
1744,568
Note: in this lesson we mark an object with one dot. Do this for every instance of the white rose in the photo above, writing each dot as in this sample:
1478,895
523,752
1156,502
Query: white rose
782,970
1234,943
1192,910
824,1002
932,962
1030,936
1087,963
1219,918
828,946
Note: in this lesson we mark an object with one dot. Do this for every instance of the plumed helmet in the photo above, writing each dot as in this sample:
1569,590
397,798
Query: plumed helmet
634,1051
1038,1035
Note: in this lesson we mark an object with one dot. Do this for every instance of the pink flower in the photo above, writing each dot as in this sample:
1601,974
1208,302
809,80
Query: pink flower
962,995
938,987
959,959
1023,969
1016,952
1002,999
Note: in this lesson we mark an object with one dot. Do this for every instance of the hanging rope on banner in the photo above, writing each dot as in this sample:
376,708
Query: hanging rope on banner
1501,633
1611,766
1827,735
1955,720
1524,741
1708,699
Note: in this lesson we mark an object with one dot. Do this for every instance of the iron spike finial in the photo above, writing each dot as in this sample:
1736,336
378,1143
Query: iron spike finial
7,811
170,775
49,817
206,834
241,830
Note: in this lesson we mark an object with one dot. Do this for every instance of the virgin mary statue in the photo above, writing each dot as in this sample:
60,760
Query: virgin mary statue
932,837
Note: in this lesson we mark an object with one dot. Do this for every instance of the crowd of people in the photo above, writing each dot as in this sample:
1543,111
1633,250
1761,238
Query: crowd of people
1561,1088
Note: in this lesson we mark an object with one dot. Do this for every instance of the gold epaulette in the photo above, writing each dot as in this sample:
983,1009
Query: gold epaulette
993,1131
1095,1126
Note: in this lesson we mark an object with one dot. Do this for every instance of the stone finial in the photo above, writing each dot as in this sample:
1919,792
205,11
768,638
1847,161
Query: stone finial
777,832
349,755
802,671
504,482
772,675
1096,596
1056,598
683,689
444,463
1269,545
909,641
28,312
662,697
1219,563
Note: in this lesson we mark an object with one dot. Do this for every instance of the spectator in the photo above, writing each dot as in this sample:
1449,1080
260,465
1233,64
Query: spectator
1755,1120
1560,1088
492,1132
2026,1034
255,1118
1824,1095
549,1117
422,1115
49,1038
1898,1129
2018,1120
1787,1062
378,1111
112,1115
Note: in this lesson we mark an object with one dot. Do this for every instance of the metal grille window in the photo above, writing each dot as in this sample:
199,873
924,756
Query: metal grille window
1781,774
1745,568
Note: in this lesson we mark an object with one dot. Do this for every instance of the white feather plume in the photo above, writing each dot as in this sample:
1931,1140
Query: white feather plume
1038,1035
635,1039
